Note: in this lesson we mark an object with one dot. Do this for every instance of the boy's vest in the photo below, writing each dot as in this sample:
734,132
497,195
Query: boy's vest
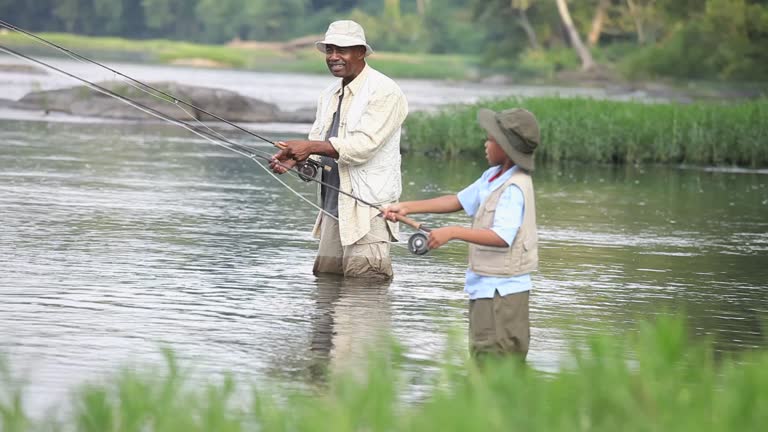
523,255
378,179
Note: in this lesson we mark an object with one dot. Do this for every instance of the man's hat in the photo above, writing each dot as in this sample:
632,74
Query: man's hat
517,132
344,33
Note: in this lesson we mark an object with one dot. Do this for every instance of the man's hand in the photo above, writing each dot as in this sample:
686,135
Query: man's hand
299,150
439,237
280,163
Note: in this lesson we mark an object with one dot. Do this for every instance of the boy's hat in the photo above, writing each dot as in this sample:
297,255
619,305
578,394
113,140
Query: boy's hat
517,132
344,33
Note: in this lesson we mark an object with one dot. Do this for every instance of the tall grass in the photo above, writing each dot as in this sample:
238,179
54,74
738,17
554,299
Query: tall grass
658,379
587,130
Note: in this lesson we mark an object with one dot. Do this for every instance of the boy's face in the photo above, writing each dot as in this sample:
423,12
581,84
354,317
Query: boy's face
494,152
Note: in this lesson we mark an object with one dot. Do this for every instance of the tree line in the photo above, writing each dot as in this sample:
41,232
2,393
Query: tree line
709,39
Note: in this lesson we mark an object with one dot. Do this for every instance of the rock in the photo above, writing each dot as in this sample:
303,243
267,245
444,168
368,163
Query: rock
303,42
22,68
199,63
304,115
497,79
229,105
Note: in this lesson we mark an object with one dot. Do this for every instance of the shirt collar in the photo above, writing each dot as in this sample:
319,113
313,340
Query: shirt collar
354,86
500,180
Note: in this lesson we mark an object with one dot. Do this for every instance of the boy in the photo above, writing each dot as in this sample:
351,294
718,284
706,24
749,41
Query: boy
503,241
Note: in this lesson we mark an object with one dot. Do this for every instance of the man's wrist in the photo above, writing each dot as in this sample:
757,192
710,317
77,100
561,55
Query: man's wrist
328,149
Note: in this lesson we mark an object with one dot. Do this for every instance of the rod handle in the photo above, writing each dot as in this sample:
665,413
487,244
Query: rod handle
412,223
408,221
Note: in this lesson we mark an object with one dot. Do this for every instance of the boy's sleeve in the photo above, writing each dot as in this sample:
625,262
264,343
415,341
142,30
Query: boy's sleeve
470,197
509,214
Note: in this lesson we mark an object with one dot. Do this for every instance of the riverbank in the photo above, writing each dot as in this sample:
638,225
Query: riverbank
579,124
262,57
300,56
672,382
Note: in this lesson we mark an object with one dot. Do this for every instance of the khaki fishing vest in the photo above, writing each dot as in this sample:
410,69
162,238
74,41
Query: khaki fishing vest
523,254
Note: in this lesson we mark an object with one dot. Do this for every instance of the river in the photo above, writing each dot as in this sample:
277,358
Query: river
119,238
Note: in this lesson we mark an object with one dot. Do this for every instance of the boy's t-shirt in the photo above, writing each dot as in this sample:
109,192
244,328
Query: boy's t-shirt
507,221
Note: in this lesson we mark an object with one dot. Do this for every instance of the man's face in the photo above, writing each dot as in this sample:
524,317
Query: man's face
345,62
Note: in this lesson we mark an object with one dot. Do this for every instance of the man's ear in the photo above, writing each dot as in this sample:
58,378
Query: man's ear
360,52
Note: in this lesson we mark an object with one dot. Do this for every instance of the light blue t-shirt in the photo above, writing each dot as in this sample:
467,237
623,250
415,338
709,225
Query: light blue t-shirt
506,222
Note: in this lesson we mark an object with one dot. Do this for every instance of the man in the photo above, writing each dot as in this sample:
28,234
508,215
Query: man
356,137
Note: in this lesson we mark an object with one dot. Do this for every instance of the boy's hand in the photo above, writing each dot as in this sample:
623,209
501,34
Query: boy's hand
439,237
391,211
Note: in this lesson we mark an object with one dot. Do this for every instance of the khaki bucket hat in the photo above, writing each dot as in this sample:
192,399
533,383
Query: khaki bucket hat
344,33
517,132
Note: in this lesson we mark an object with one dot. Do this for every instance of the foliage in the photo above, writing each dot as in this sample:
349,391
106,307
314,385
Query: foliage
602,131
307,60
544,63
660,378
700,39
726,42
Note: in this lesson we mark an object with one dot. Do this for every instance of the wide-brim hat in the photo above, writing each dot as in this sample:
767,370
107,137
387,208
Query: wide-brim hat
515,130
344,33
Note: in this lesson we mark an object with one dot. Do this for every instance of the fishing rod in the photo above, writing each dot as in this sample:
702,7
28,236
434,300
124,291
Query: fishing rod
417,243
237,148
308,168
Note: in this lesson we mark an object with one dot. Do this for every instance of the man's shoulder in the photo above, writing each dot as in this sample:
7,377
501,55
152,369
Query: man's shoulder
331,88
383,82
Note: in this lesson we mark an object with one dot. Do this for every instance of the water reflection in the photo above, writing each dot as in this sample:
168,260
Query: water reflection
352,317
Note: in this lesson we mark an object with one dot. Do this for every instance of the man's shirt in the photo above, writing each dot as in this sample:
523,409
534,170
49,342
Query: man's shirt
384,115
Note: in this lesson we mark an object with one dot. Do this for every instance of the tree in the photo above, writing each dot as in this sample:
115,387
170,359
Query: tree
221,20
637,17
175,18
522,6
587,62
68,12
597,22
273,20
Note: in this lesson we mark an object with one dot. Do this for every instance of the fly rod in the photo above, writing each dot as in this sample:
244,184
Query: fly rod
416,243
308,168
170,97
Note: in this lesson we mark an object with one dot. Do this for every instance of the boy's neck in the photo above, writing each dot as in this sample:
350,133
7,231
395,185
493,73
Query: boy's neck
502,169
506,165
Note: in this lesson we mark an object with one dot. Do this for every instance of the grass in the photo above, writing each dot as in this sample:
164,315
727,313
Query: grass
587,130
658,379
266,58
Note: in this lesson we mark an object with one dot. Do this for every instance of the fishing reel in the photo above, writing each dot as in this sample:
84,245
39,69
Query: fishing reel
308,169
418,244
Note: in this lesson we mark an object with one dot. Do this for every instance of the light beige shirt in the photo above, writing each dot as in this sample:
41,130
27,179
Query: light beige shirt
384,116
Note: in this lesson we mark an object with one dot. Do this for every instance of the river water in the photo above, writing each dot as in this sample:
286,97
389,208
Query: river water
119,238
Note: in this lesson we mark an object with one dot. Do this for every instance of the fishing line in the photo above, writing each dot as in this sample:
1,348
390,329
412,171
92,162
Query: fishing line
309,167
169,97
234,147
216,140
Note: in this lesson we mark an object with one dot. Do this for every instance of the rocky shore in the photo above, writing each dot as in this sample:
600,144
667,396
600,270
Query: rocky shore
229,105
